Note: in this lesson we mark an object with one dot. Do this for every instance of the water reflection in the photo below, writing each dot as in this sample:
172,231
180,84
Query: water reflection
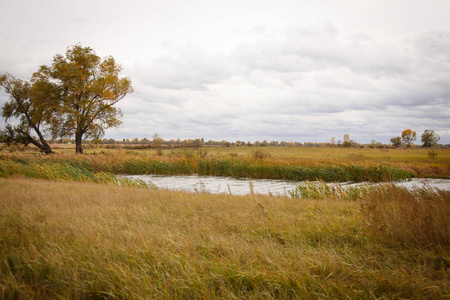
245,186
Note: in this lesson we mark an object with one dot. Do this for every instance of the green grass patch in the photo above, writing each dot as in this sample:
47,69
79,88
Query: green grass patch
64,170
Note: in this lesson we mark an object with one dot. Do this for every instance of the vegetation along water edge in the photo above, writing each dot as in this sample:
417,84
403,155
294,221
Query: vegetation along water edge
87,168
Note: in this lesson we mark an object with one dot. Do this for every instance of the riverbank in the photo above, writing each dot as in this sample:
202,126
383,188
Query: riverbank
87,167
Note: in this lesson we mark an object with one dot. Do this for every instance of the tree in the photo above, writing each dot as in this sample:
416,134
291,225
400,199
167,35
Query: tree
396,141
32,104
430,138
87,87
346,138
157,144
348,142
197,143
408,136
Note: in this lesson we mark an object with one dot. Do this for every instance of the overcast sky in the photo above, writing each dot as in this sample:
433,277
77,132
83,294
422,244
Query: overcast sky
253,70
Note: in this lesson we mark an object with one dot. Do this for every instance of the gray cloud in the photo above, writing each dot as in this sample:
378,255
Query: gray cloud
190,68
434,45
312,83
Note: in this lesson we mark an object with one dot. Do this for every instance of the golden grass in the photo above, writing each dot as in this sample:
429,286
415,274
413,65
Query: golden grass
82,240
420,216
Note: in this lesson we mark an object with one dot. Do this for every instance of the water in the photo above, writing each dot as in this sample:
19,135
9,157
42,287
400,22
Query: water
244,186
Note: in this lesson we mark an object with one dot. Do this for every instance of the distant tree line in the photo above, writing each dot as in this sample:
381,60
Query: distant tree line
429,139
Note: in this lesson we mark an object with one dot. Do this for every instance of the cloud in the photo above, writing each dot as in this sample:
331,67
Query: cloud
310,83
216,74
189,69
319,48
434,45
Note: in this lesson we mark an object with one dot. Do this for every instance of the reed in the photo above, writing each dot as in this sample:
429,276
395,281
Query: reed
321,190
134,164
60,170
419,216
392,213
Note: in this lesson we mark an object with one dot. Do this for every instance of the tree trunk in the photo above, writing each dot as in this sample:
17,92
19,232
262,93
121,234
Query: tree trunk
78,142
47,149
43,146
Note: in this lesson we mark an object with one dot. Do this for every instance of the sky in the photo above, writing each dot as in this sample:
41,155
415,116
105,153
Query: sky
252,70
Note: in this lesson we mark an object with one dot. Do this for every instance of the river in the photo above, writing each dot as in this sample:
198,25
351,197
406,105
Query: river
244,186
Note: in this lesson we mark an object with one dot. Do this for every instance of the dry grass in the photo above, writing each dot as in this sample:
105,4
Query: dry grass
81,240
392,213
420,216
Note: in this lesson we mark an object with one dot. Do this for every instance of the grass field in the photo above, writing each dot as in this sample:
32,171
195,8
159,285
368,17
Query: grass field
407,155
84,240
71,229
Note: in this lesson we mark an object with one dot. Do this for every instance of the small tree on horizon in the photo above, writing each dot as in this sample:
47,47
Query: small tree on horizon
408,136
396,141
429,138
157,144
348,142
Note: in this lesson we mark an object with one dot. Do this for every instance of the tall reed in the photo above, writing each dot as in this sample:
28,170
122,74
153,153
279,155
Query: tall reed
60,170
321,190
392,213
222,166
419,216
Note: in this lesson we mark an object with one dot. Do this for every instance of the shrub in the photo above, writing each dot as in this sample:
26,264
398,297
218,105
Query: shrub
432,154
260,154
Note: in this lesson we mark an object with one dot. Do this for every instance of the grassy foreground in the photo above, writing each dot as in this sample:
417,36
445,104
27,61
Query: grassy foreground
83,240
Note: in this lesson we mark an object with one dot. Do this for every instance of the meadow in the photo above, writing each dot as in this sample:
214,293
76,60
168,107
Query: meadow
71,228
83,240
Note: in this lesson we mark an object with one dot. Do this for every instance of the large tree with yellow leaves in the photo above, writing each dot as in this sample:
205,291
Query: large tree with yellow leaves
87,88
73,97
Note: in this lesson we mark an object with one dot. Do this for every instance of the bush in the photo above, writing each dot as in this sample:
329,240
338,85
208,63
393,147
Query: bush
432,154
260,154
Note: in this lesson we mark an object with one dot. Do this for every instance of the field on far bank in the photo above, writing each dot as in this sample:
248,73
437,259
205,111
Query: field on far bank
397,155
83,240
